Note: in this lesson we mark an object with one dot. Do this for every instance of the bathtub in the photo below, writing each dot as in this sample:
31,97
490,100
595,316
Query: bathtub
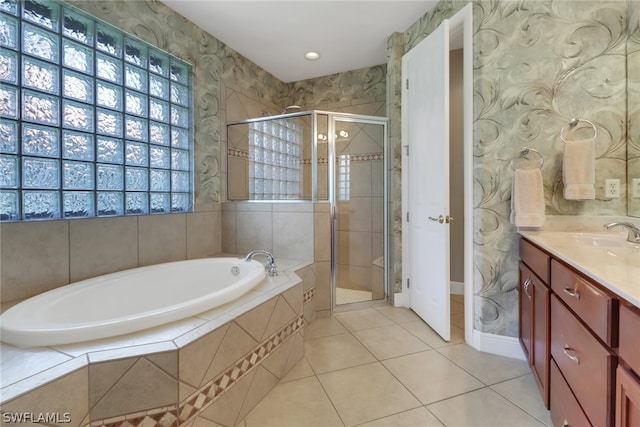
128,301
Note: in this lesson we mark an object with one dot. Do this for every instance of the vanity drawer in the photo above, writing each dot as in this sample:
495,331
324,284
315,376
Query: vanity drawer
536,259
587,365
593,306
629,350
565,409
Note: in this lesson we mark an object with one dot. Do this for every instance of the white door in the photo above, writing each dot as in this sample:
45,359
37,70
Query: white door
426,67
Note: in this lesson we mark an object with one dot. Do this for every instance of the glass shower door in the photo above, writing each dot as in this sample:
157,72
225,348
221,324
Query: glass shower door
359,210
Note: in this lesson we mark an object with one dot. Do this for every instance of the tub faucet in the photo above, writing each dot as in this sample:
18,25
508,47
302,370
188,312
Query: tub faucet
269,266
634,232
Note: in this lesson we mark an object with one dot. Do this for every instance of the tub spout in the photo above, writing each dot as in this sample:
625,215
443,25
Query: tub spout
270,264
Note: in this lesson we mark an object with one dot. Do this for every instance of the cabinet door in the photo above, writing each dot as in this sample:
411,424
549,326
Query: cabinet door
565,409
627,399
525,312
541,337
587,365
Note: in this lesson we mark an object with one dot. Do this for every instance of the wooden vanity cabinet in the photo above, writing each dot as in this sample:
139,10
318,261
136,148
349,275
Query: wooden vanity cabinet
534,296
628,372
578,325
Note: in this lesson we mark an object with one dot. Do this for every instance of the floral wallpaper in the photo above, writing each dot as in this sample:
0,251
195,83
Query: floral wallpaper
537,64
633,102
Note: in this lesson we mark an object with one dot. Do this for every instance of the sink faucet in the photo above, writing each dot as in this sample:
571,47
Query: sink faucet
634,232
270,264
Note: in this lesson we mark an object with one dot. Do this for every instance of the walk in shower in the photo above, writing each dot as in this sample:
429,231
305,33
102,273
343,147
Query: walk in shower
322,157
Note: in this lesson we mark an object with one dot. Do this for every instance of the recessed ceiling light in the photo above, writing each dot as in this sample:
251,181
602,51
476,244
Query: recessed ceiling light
312,55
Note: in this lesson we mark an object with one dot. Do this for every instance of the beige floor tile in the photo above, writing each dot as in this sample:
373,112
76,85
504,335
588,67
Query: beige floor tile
365,393
323,327
457,298
336,352
302,369
363,319
457,307
523,392
390,341
429,336
293,404
488,368
419,417
481,408
398,314
457,336
431,377
458,320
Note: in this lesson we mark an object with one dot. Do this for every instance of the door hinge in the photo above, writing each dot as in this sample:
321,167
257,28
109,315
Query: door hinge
407,216
407,147
407,84
408,283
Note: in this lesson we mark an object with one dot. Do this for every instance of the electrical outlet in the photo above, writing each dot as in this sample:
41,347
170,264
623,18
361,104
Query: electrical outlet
635,188
612,188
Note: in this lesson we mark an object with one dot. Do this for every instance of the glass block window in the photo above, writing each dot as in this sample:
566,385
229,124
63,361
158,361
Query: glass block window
93,121
344,177
275,159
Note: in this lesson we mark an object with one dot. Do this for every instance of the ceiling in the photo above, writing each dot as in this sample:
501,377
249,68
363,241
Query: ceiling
348,34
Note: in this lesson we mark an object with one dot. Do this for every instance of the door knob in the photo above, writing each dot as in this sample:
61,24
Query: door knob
449,219
440,219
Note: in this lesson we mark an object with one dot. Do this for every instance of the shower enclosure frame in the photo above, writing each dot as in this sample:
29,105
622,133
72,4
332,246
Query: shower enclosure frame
332,118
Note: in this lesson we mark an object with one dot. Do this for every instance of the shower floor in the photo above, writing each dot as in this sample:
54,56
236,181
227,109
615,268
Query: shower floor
346,296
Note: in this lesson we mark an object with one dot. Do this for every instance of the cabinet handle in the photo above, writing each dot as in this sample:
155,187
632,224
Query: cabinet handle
568,351
571,293
526,285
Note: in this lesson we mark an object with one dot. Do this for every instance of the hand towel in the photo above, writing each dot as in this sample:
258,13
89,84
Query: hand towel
579,170
527,198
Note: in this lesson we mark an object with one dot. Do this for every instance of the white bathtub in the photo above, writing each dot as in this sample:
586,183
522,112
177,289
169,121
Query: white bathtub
128,301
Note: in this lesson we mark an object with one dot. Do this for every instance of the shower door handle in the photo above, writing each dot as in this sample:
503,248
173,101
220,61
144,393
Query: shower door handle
439,219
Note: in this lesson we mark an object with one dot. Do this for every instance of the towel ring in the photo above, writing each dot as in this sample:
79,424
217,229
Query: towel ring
523,153
573,123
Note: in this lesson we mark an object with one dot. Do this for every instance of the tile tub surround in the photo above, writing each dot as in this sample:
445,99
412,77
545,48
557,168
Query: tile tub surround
215,366
37,256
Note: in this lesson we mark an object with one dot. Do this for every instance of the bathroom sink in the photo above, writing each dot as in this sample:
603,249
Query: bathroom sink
605,240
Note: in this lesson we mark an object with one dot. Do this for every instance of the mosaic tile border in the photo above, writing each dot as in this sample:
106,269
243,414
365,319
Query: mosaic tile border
365,157
354,158
309,294
240,154
173,416
211,391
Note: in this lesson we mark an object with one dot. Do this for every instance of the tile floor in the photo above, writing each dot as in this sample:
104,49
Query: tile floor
382,366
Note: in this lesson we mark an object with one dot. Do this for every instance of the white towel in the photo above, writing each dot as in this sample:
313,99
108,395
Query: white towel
579,170
527,198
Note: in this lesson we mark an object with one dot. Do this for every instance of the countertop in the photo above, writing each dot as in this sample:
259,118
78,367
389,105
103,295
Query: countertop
615,268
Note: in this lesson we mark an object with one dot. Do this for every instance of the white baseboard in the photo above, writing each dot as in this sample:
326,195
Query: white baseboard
456,288
400,299
497,344
489,343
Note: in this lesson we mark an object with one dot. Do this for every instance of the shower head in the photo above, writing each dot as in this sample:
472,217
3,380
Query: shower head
291,107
